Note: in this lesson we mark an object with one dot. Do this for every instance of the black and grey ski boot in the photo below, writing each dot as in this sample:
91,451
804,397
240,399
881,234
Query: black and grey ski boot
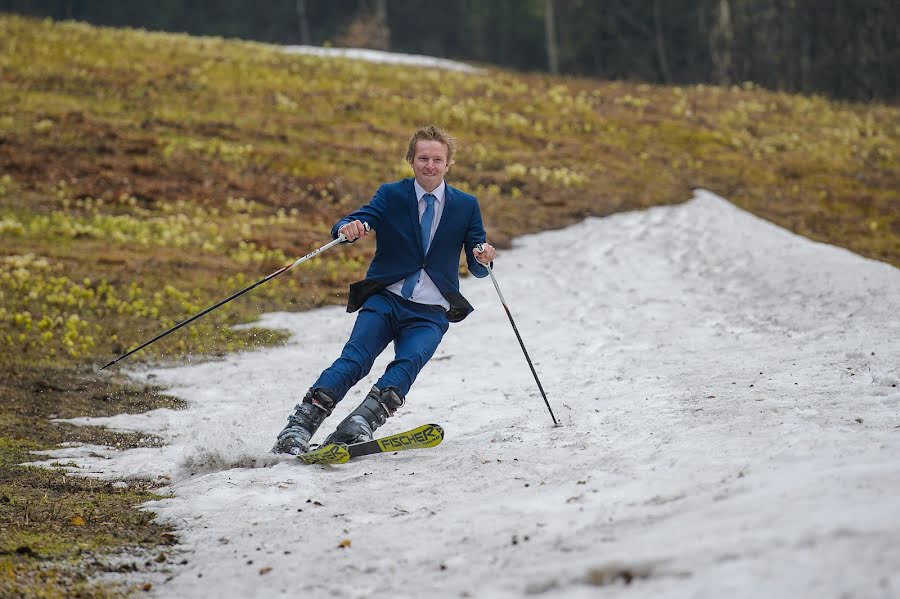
374,411
302,424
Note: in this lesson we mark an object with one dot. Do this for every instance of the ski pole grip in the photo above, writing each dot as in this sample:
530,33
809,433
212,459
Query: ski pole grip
345,240
480,248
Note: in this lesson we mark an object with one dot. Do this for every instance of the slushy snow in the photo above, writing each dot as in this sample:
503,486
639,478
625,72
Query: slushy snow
728,398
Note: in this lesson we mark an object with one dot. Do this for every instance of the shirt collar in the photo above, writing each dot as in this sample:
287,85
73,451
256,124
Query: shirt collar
438,192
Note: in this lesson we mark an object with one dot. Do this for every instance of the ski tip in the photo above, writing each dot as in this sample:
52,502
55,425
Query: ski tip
434,434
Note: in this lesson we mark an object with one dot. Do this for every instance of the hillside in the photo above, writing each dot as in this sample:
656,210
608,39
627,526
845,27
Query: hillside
164,170
144,176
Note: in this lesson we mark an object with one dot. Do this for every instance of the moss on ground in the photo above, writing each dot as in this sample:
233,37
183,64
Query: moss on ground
57,532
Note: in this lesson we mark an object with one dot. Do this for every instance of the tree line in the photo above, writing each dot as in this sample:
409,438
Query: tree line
841,48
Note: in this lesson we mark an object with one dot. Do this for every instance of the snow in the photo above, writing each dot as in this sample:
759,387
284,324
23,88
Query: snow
379,56
728,398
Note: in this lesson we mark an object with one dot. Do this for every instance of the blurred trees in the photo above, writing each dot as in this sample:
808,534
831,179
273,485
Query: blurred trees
842,48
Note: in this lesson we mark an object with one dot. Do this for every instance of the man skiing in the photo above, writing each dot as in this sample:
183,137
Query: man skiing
409,296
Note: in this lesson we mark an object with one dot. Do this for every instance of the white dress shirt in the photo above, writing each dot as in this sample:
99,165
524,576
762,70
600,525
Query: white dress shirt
425,291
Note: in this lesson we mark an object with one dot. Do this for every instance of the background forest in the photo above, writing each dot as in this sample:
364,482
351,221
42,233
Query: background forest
841,48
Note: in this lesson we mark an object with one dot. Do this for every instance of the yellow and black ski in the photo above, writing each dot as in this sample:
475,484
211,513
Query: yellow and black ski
427,435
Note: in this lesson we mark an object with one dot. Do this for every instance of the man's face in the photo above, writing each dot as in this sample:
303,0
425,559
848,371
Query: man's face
430,163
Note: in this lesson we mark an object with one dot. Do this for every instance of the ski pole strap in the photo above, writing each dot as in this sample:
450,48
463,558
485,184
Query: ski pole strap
480,248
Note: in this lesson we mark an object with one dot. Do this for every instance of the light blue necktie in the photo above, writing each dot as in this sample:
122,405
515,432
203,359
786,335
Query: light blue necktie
427,218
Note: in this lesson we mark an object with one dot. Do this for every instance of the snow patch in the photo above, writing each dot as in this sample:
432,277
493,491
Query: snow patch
381,57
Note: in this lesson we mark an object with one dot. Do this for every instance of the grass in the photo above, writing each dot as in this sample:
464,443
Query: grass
144,176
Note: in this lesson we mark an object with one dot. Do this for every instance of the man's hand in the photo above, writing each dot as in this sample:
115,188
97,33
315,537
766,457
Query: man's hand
353,230
485,254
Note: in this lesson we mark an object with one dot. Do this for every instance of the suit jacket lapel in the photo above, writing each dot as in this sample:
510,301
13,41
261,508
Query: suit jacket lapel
445,215
413,211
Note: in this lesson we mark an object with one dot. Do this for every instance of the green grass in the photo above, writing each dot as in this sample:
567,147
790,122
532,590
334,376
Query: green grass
144,176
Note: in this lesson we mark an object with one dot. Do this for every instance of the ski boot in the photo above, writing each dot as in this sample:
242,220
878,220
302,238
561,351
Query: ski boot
302,424
374,411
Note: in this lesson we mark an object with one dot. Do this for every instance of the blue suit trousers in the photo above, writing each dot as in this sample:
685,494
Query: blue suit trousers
416,330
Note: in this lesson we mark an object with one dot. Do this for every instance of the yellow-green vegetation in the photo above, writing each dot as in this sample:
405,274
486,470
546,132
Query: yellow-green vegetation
143,173
144,176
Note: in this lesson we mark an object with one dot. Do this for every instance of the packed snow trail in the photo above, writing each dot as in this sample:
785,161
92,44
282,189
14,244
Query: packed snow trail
729,401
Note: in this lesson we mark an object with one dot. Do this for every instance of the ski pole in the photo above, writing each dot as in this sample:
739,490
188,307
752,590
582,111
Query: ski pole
518,336
339,240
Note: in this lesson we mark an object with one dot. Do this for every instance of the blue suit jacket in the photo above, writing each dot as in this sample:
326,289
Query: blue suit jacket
394,214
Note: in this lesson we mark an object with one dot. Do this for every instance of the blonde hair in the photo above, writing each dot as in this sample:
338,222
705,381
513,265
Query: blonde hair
431,133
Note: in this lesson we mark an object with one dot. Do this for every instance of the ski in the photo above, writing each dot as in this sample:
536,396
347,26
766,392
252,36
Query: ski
427,435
